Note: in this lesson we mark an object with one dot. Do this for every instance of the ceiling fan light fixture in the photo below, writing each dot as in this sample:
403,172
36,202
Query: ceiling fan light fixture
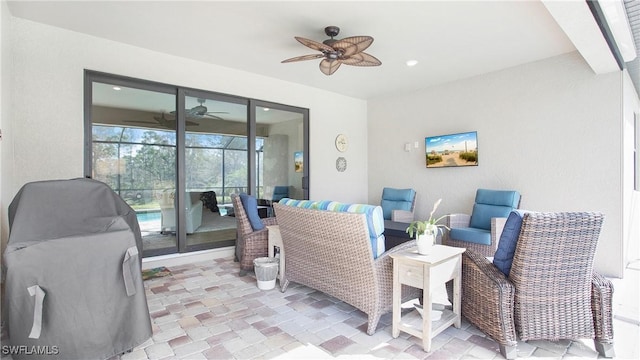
348,51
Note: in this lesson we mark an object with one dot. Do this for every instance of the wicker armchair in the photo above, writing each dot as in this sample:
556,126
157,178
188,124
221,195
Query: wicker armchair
552,291
331,252
250,244
481,230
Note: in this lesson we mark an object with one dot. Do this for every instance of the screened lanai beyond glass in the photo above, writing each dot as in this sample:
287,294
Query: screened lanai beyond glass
176,156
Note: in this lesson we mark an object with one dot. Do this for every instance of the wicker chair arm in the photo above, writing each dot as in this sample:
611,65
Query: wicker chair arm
497,226
269,221
403,216
458,220
386,256
601,306
487,298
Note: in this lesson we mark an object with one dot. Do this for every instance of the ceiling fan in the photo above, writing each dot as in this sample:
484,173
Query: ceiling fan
201,111
162,121
348,51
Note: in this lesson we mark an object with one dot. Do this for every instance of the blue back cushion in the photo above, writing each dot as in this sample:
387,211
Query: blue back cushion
396,199
490,204
375,221
250,205
474,235
503,257
280,192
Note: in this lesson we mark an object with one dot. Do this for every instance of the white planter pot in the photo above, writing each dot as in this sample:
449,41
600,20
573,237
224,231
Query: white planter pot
425,243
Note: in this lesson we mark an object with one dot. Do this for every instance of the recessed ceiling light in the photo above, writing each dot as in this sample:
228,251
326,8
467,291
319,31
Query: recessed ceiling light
117,88
412,62
266,109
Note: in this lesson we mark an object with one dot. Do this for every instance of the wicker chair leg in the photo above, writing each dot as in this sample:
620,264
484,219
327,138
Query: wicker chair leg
243,272
284,285
373,323
605,348
509,352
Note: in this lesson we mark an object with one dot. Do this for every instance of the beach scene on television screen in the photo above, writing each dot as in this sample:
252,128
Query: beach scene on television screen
452,150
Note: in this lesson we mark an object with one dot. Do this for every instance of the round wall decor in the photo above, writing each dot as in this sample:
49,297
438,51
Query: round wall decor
341,164
342,143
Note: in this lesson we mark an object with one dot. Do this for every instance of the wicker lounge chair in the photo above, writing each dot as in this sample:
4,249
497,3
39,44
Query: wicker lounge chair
552,291
331,252
250,244
481,230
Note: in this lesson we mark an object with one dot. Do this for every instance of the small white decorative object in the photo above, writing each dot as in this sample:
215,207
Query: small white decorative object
426,231
425,243
435,314
342,143
341,164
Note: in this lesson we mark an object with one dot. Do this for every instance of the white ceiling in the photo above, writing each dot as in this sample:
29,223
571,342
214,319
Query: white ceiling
450,39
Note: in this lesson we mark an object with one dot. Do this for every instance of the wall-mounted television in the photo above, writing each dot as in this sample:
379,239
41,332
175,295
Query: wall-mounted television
452,150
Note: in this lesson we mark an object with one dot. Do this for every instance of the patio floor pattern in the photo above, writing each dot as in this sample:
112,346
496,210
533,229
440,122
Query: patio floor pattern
206,311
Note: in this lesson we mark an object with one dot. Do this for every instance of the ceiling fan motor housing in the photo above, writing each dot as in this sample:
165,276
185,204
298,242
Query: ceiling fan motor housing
331,31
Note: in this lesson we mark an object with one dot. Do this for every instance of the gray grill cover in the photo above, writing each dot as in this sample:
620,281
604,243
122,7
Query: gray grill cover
81,244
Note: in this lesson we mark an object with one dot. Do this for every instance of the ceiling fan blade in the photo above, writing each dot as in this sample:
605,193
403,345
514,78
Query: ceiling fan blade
361,59
328,67
139,122
314,44
303,57
213,116
353,45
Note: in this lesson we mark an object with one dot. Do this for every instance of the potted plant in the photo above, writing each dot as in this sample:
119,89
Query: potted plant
426,231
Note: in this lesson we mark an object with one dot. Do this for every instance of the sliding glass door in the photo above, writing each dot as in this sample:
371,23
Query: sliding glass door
216,166
282,162
176,156
133,150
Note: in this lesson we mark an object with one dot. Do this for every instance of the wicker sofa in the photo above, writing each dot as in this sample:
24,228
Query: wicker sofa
331,251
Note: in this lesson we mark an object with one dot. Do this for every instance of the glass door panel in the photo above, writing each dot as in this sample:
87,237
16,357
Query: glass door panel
216,166
280,153
133,133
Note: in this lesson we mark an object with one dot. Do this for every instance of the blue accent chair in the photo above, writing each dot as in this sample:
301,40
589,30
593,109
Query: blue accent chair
279,192
481,230
398,204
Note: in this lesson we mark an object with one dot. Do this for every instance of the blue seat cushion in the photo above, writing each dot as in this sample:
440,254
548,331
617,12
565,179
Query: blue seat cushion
503,258
250,205
477,236
396,199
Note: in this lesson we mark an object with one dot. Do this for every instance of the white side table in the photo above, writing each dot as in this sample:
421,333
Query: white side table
276,249
427,272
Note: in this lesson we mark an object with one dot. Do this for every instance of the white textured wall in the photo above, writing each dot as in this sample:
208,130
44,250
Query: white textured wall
5,123
630,219
550,129
48,90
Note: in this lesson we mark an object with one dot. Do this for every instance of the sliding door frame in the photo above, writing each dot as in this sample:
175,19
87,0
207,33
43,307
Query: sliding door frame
180,93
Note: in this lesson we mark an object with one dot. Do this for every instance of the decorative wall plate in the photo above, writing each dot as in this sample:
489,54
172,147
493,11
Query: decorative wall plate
342,143
341,164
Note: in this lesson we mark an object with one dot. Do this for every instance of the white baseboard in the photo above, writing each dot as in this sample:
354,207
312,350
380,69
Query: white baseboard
186,258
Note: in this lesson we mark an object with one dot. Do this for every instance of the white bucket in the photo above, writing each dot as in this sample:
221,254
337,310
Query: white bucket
266,272
266,284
